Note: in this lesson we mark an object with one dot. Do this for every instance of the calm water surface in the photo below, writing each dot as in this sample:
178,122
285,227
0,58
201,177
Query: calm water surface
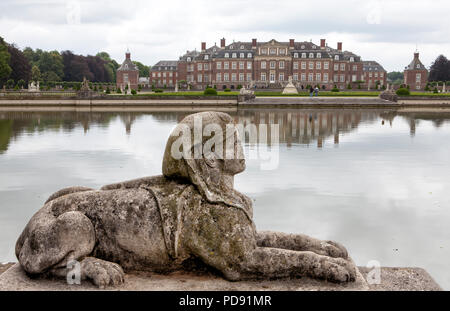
377,181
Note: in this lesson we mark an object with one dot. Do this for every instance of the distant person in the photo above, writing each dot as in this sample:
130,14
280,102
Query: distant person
311,91
316,91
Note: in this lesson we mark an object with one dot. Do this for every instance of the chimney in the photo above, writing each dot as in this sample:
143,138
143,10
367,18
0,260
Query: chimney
416,55
203,46
322,43
291,43
253,43
128,54
222,42
339,46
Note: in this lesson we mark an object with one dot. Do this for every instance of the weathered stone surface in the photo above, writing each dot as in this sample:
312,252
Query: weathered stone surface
191,213
393,279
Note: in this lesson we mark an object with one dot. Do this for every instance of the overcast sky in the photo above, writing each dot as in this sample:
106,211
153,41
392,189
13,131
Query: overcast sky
386,31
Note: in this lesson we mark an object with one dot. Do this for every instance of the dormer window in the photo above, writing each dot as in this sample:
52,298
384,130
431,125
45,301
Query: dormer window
242,47
234,55
295,55
302,47
188,59
352,59
336,57
206,57
418,66
319,55
303,55
249,55
126,66
241,55
231,47
311,55
227,55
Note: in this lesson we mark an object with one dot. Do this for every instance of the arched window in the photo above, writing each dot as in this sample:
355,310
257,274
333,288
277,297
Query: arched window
234,55
241,55
188,59
319,55
311,55
242,47
227,55
249,55
295,55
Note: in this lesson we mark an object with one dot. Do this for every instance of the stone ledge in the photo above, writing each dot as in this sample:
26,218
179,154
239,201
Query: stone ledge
395,279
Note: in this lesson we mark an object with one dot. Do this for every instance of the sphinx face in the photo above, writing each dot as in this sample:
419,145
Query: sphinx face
235,164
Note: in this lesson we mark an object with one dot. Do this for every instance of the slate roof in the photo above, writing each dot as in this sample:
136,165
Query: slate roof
416,64
372,66
128,65
163,65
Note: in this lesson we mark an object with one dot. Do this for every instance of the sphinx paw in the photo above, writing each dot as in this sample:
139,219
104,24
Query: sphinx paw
335,249
339,270
102,273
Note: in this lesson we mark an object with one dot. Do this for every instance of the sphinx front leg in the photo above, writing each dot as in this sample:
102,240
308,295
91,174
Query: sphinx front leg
275,262
301,242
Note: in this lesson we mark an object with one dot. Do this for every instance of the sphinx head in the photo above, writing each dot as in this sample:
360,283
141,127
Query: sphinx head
205,148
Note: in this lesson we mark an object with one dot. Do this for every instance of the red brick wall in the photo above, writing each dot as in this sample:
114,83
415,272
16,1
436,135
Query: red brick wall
133,78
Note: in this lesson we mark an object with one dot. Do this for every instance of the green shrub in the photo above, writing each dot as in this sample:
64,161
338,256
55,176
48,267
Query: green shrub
335,89
239,87
118,91
107,90
210,91
133,92
158,91
403,92
349,86
227,90
435,90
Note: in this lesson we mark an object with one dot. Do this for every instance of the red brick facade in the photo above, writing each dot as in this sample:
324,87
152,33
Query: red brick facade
416,74
269,65
164,74
127,74
374,77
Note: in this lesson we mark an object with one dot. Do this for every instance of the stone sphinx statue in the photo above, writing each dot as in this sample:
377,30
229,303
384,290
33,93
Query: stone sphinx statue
158,223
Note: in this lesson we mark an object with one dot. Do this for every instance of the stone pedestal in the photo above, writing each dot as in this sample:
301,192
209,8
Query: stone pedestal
392,279
290,88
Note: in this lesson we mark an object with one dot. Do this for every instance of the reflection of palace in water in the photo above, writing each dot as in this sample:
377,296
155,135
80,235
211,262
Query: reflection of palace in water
296,126
307,126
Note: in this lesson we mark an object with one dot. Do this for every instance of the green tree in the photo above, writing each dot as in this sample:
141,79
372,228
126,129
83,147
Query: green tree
144,71
35,74
5,69
51,66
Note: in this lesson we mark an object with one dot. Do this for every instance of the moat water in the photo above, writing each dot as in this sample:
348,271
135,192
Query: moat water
378,181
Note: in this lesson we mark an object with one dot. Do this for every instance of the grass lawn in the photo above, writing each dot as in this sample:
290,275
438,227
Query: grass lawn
322,93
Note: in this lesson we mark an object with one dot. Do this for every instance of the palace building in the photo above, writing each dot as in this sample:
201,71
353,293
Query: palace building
264,65
164,74
127,74
416,74
374,75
